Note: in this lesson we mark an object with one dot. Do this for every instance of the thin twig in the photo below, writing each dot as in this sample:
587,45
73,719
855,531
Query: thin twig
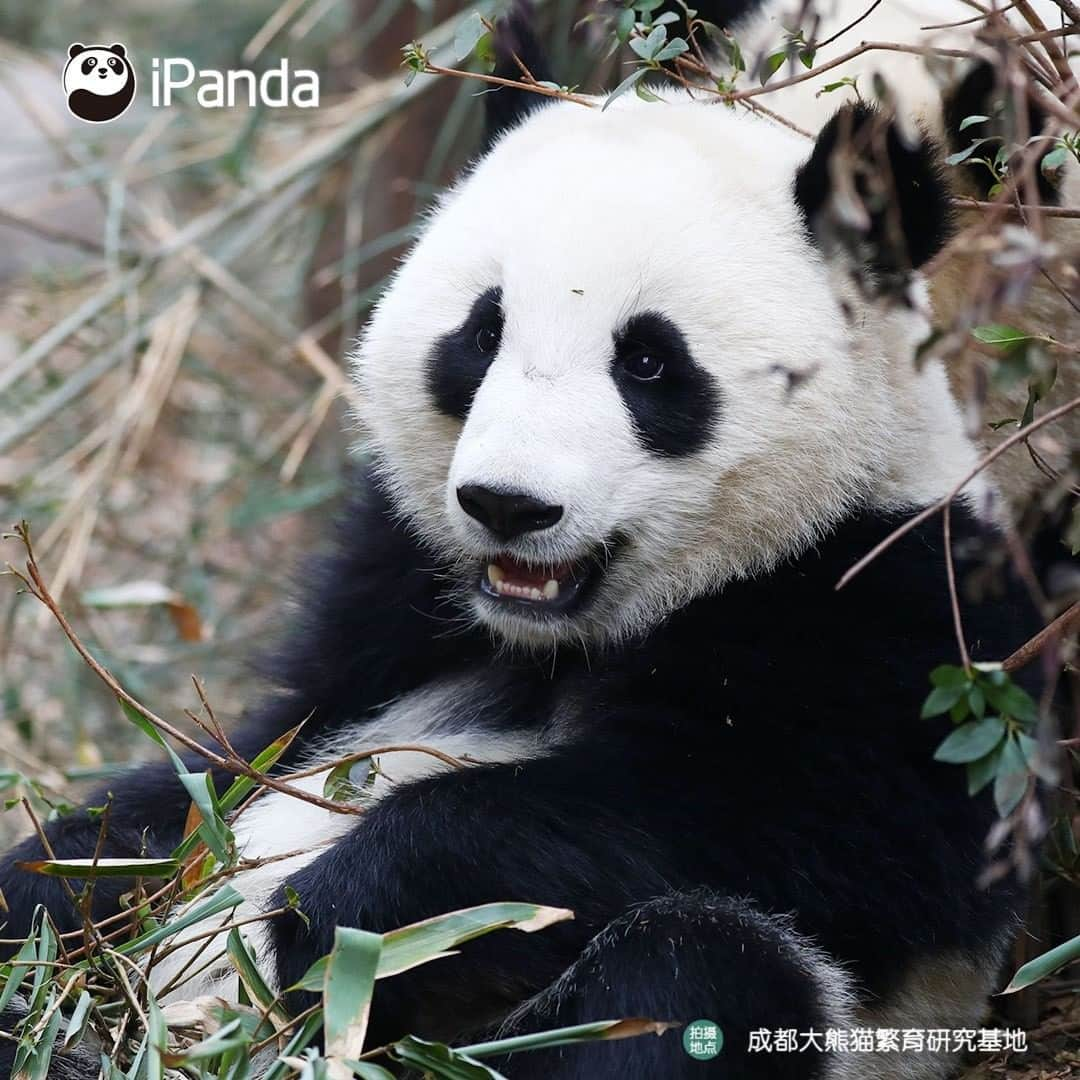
1066,623
945,500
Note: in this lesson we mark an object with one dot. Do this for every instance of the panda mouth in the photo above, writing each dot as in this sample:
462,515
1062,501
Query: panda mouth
553,587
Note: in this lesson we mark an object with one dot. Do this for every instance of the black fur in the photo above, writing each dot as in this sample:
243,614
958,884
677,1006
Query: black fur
675,413
762,745
902,188
979,93
460,359
505,107
683,948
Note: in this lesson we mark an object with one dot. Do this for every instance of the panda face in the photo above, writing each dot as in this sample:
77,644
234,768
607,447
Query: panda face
97,70
99,82
615,372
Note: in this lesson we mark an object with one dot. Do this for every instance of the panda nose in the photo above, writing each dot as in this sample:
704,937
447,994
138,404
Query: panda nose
508,514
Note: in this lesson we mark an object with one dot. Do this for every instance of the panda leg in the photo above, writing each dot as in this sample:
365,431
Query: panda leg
686,957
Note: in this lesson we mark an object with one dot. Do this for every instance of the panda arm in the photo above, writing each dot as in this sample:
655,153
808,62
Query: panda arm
370,625
533,832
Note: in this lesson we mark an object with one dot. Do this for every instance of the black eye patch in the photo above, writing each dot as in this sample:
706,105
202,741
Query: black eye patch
673,401
88,65
460,359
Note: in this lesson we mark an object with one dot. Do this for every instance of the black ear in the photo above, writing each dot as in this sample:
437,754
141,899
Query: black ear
117,48
981,93
875,192
75,49
514,37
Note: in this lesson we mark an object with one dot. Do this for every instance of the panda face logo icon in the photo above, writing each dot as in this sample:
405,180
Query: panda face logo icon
99,82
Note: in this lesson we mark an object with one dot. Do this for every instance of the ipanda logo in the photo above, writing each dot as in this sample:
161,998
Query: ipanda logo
99,82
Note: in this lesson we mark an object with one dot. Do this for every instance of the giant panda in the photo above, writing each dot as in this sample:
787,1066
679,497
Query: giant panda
627,420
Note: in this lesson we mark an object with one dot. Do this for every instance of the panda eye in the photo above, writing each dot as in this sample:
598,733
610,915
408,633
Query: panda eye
643,366
114,64
487,339
88,65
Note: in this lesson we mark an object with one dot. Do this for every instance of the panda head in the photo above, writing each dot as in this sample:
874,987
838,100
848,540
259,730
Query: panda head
99,81
629,360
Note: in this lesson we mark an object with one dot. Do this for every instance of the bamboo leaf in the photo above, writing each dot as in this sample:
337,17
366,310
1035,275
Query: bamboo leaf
347,990
76,1026
441,1060
101,868
1044,965
567,1036
431,939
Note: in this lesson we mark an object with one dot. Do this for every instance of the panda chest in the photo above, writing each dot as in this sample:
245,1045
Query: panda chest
460,722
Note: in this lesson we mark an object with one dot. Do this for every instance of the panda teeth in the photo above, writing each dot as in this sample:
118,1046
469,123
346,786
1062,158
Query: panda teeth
497,578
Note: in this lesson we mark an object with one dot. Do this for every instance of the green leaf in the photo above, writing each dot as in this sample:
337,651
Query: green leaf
242,786
971,741
624,25
37,1068
1012,778
962,155
959,711
215,834
368,1070
941,699
244,962
1036,760
771,64
630,81
148,728
949,675
432,1057
977,701
469,32
76,1026
971,121
675,47
101,868
14,972
648,47
418,943
1044,965
981,772
347,780
1003,337
1012,701
225,898
307,1032
157,1040
347,990
410,946
568,1036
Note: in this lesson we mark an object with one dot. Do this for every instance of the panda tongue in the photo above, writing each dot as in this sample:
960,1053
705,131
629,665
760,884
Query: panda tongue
517,573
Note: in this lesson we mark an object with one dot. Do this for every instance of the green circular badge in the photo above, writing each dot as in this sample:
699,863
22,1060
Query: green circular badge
703,1039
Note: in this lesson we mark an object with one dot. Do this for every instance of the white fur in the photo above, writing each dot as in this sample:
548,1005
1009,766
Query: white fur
584,217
